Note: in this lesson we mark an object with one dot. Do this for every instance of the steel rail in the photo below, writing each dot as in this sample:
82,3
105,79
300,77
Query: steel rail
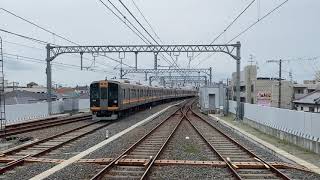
273,169
32,126
19,148
144,176
15,163
102,172
231,168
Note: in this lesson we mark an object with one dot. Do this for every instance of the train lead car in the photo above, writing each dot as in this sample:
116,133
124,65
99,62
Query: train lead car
108,99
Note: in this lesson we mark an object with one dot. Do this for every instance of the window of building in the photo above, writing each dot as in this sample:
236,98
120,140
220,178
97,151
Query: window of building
300,91
242,88
310,90
301,108
311,109
252,88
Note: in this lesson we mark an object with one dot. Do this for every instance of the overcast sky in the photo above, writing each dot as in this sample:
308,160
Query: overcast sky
291,32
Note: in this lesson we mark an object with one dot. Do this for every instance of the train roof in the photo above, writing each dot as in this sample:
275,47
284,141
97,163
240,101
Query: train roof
130,83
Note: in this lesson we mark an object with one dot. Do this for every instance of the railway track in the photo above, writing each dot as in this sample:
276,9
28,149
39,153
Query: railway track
15,129
40,147
137,161
232,152
148,147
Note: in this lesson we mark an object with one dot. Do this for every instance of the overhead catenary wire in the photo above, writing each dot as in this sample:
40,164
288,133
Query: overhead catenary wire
25,37
174,63
37,59
40,61
40,49
152,29
146,20
40,27
229,26
123,21
143,38
248,28
49,31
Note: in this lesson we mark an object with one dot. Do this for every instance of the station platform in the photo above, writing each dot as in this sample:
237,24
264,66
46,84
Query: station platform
286,150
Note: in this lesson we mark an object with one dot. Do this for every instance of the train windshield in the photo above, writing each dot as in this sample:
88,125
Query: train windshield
113,94
94,91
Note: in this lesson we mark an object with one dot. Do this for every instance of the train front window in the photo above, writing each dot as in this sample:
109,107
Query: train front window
94,91
94,95
112,94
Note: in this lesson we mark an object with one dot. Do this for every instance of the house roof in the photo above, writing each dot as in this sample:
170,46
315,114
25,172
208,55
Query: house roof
311,98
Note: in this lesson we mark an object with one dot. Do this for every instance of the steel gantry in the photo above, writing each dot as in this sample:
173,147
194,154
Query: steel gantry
231,49
177,79
208,71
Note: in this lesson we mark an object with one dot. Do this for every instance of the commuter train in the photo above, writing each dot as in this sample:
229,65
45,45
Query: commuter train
109,99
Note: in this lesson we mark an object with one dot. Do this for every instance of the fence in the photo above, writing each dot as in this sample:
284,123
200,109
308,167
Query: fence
22,112
302,124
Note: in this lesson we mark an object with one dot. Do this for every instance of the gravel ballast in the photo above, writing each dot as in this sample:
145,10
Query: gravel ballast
189,172
186,144
27,171
114,148
92,139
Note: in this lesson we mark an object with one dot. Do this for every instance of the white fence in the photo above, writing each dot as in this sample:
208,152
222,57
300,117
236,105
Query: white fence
303,124
21,112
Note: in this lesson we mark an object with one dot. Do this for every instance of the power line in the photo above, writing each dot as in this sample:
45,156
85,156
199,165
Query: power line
105,5
137,21
40,61
40,27
226,29
46,30
252,25
36,48
147,21
151,30
145,40
174,63
26,37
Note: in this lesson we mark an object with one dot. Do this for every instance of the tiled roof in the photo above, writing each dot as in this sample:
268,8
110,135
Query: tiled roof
310,98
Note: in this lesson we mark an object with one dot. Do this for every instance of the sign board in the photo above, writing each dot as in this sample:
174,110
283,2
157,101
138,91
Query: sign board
264,98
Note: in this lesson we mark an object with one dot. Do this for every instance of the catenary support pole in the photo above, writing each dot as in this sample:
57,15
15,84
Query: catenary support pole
280,76
210,78
155,60
136,60
81,58
238,81
49,81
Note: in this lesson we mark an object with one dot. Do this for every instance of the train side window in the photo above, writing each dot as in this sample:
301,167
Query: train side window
124,94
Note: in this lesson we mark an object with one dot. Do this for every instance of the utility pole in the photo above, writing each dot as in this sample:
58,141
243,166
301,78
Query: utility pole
249,80
279,98
279,80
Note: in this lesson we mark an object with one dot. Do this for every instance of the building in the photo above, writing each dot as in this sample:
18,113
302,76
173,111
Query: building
212,98
309,102
308,86
261,90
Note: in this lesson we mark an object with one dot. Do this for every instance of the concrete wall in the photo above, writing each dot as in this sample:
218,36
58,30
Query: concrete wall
22,112
300,128
219,93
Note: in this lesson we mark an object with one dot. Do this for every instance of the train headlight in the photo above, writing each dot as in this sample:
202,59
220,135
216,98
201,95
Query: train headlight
115,101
